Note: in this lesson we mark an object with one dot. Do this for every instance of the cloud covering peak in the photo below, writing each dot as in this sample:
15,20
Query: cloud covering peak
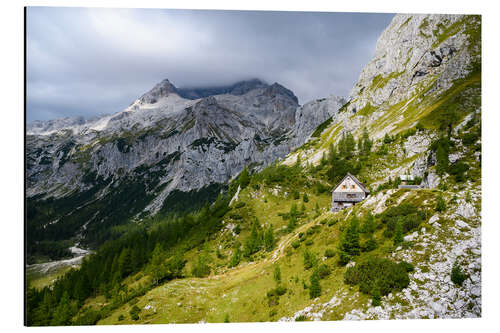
89,61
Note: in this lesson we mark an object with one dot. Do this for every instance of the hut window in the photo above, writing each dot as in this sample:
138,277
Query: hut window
353,187
344,186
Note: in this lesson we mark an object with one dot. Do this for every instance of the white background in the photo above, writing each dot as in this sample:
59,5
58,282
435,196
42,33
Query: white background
11,161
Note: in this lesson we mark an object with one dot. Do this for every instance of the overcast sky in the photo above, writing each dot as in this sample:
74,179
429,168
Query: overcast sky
89,61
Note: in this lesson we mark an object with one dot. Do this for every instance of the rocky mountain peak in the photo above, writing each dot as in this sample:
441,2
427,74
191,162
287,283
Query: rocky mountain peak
277,89
162,89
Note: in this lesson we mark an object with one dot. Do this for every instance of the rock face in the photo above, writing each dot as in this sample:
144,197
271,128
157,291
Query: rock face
307,116
164,142
413,51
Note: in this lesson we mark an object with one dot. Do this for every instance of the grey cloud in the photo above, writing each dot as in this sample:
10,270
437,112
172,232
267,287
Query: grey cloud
86,61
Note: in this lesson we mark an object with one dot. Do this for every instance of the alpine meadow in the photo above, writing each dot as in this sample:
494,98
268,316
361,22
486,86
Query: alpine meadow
236,203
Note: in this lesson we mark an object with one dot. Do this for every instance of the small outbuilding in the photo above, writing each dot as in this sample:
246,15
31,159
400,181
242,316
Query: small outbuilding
348,192
407,182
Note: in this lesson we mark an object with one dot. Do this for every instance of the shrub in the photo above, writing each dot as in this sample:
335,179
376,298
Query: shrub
440,204
407,266
121,317
309,242
380,273
134,312
240,204
323,271
295,243
236,258
369,226
310,259
405,214
376,297
458,170
296,195
468,197
226,318
370,245
305,198
457,274
388,138
301,318
320,188
411,222
329,253
277,274
331,222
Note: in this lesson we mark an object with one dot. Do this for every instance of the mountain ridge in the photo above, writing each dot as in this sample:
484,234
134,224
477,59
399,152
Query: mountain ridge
162,144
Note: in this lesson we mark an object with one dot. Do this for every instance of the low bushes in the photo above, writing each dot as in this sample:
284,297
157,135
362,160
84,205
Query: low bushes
457,275
329,253
134,312
378,276
408,216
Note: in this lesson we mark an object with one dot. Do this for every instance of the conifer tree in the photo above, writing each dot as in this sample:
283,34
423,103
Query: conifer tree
244,178
236,258
315,287
349,243
157,267
398,233
277,274
125,263
63,312
269,238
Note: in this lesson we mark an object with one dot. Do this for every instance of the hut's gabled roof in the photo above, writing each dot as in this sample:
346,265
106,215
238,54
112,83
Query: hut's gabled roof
356,180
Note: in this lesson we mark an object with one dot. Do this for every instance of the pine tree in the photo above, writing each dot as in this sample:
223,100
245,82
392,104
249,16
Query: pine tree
292,223
236,258
387,138
157,264
125,263
244,178
277,274
315,287
349,243
253,242
367,143
398,233
63,312
201,267
442,160
269,238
